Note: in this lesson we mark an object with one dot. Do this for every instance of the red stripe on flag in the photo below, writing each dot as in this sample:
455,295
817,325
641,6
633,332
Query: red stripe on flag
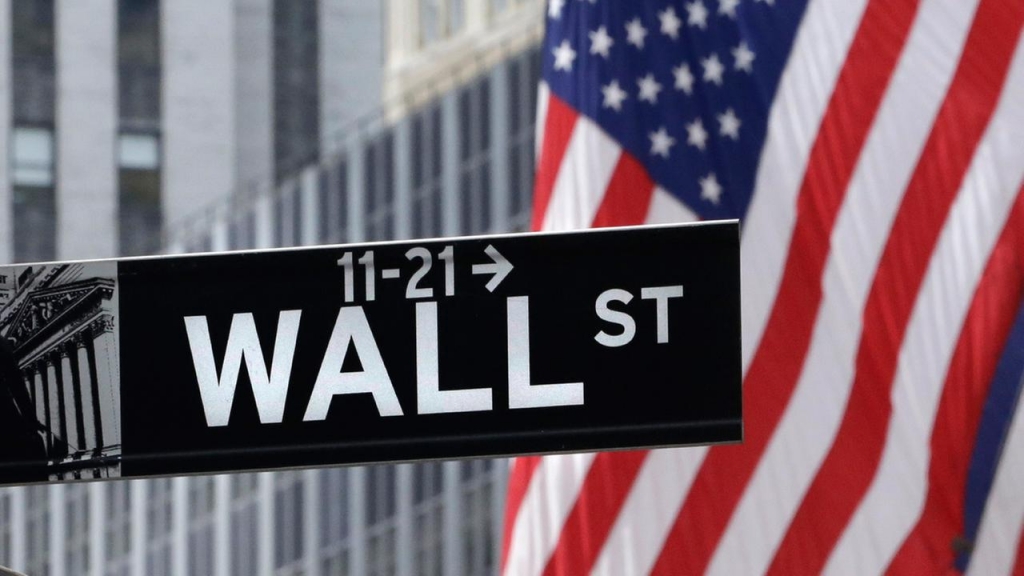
558,128
628,195
931,545
777,363
846,473
1018,566
518,482
605,488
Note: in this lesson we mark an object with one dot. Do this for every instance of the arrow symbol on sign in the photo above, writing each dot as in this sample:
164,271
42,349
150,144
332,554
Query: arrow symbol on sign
500,267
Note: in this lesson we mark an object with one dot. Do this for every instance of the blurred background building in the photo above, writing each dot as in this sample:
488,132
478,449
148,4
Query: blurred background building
143,126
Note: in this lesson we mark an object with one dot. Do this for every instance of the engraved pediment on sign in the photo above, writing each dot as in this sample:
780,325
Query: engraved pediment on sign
53,307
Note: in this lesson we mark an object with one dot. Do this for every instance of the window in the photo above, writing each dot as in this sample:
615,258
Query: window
296,86
76,528
32,154
244,524
35,207
5,529
289,509
441,19
32,41
139,197
201,504
138,147
138,60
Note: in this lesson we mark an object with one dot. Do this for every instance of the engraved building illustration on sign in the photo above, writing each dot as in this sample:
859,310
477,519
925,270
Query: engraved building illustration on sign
60,322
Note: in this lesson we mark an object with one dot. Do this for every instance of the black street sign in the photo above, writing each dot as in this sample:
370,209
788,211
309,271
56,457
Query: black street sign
379,352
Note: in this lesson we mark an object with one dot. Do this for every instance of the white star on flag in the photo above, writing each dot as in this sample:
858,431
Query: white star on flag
661,142
670,23
697,14
713,69
710,189
729,124
728,7
635,33
600,42
684,78
649,88
564,56
696,135
744,57
555,8
613,95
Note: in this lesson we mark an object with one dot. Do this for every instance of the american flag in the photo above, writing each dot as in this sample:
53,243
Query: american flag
874,152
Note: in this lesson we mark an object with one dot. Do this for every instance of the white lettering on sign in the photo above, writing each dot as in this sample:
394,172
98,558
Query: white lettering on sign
498,269
615,317
430,399
218,392
352,326
521,392
660,294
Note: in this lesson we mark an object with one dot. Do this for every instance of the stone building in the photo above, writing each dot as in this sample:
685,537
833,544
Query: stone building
228,125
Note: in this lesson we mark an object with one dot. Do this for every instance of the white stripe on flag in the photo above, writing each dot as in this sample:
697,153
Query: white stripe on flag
896,497
803,94
995,546
666,209
639,532
550,497
590,159
811,420
543,96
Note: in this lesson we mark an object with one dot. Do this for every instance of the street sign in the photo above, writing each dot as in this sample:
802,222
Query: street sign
378,352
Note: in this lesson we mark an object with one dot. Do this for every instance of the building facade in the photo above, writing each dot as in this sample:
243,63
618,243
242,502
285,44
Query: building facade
236,129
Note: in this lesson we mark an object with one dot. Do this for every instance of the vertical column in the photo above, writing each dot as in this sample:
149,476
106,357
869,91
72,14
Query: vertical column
19,517
219,233
450,154
451,551
85,54
6,205
71,402
84,383
40,393
87,373
264,221
57,425
405,547
265,550
357,521
309,206
335,202
350,33
198,101
311,517
58,530
179,526
498,495
356,190
254,124
104,349
501,141
139,531
403,32
286,209
222,526
97,534
476,15
48,401
403,178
